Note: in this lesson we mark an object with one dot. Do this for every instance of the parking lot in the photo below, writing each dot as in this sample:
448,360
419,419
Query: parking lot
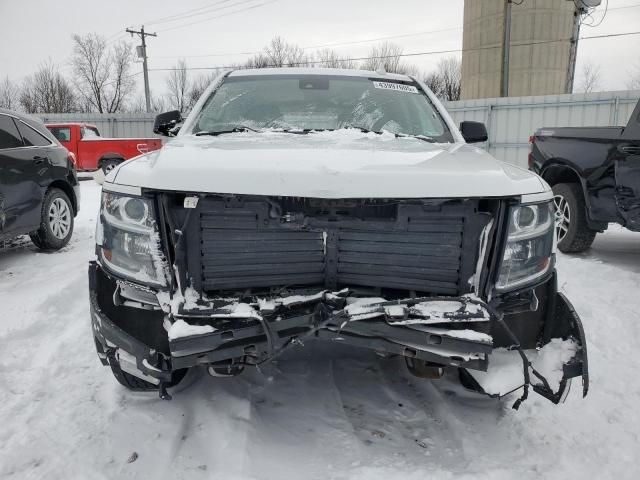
324,411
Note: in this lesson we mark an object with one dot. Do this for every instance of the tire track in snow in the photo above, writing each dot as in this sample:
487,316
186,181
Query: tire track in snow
298,425
395,423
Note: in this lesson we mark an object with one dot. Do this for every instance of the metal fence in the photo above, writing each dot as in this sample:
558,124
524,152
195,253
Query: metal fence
510,121
115,125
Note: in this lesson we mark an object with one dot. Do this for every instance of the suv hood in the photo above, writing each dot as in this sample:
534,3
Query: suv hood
338,164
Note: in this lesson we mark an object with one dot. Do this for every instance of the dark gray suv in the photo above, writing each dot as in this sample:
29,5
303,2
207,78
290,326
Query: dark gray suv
39,191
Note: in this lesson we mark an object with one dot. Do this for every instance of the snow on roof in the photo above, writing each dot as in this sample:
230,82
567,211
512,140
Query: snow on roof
317,71
68,124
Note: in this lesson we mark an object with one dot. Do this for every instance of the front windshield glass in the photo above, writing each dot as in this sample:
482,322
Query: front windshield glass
318,102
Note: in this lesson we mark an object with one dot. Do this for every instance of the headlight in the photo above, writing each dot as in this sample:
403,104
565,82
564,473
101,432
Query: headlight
127,239
529,250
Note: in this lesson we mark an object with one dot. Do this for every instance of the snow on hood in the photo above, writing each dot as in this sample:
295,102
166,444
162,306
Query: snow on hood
339,164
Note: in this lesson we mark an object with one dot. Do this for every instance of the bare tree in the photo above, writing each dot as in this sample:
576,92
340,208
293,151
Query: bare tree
634,81
445,81
435,82
102,73
199,85
590,81
178,86
47,91
280,53
139,104
328,58
450,69
9,94
388,57
259,60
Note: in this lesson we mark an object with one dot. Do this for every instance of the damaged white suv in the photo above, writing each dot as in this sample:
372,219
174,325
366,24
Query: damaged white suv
336,204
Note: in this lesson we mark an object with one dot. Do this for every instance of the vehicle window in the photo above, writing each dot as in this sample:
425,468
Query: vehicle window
318,102
31,137
89,133
9,135
63,134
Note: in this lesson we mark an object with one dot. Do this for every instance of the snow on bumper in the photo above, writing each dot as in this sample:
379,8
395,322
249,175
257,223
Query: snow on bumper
382,326
451,331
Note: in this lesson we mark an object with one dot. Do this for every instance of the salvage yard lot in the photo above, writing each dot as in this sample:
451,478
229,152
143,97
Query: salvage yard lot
324,411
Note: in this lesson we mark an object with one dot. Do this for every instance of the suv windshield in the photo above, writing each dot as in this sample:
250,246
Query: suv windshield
302,103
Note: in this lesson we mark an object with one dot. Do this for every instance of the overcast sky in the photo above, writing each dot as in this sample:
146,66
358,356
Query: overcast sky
33,31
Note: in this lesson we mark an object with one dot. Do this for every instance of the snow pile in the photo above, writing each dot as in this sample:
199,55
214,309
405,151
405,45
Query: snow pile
364,308
395,311
172,303
181,329
428,312
237,310
298,299
469,335
506,371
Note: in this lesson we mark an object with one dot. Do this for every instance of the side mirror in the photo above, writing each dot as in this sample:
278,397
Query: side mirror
474,132
166,123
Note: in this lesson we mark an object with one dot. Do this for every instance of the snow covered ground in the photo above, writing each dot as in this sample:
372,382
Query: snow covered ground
324,411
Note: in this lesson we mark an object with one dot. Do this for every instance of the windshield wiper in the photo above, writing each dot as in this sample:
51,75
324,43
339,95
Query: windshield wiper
215,133
419,137
362,129
398,135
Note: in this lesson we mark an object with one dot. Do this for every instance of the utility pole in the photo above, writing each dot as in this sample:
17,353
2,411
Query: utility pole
506,49
145,71
573,52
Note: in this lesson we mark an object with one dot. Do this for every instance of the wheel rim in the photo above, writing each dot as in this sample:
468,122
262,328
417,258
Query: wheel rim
563,216
59,218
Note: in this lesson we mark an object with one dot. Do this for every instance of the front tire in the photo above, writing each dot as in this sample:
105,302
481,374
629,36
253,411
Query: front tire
109,165
56,221
572,228
135,384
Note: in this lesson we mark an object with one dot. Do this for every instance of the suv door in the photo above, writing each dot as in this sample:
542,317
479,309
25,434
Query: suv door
627,172
24,171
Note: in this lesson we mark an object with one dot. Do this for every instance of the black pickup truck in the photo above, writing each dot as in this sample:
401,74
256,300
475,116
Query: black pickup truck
595,176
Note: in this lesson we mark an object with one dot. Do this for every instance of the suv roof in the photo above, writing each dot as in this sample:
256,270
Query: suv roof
33,122
67,124
319,71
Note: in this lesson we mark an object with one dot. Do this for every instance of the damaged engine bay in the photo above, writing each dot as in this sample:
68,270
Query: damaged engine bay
232,281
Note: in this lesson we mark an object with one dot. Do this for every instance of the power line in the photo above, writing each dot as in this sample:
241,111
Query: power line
624,6
389,37
338,44
187,13
223,15
413,54
308,47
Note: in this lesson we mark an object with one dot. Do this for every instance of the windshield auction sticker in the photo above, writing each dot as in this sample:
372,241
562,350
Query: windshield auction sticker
400,87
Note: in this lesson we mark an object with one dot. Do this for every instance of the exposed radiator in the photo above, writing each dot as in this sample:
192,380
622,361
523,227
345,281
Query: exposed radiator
245,246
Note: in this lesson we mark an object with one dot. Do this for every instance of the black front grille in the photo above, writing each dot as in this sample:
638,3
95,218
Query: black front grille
246,246
243,258
425,257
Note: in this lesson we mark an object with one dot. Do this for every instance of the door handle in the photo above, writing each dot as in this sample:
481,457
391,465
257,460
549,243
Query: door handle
38,159
630,149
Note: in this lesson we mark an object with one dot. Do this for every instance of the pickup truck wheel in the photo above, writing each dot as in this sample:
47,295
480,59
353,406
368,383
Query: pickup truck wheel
56,221
109,165
572,229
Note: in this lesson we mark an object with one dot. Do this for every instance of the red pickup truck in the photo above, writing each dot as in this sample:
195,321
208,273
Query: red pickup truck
93,151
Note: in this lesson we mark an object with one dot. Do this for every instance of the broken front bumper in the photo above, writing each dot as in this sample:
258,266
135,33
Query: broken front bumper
444,332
